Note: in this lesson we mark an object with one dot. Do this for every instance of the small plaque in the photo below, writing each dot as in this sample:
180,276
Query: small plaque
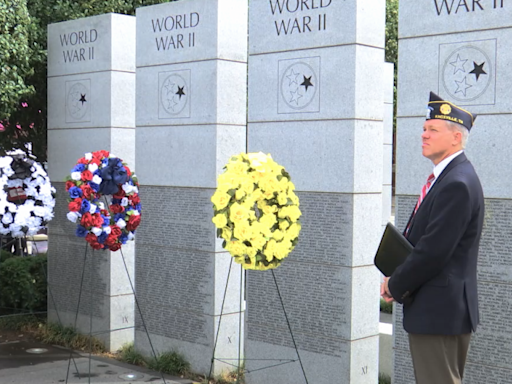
174,94
78,100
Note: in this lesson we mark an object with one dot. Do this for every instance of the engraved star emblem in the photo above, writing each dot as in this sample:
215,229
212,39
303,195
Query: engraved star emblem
180,91
478,69
172,103
293,77
295,96
169,86
462,86
458,65
307,82
82,99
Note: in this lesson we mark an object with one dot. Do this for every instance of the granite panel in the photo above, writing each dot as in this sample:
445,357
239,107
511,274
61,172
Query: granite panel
92,44
285,25
309,85
349,151
448,67
192,30
282,364
182,223
192,93
425,17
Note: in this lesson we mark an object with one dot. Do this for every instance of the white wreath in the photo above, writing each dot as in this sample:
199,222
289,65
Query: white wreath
33,214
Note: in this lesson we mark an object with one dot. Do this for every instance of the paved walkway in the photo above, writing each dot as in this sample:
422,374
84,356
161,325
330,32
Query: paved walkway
20,363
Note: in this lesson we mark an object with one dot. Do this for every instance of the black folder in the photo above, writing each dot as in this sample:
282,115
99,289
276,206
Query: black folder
393,250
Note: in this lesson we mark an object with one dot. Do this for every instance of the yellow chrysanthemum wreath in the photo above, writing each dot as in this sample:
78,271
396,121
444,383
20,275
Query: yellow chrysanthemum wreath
256,211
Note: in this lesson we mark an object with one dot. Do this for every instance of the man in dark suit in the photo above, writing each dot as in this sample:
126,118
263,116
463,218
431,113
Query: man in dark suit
437,284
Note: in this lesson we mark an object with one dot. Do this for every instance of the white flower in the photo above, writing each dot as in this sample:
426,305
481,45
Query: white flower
124,201
7,218
93,208
88,156
34,222
130,236
121,223
33,231
4,231
93,167
96,179
101,205
76,175
73,216
130,188
5,161
97,231
107,230
40,211
135,212
11,207
16,183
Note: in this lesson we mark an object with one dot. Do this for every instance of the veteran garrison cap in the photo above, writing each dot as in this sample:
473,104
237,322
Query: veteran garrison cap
445,110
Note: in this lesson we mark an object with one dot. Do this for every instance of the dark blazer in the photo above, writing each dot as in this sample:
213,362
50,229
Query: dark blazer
438,282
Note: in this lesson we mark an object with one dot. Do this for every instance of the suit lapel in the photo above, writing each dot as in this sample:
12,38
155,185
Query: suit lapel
456,161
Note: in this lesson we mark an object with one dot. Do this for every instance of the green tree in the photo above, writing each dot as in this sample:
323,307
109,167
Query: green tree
26,120
15,55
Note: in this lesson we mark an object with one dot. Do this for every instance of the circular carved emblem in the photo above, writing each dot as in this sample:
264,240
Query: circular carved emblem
466,73
77,101
174,94
299,84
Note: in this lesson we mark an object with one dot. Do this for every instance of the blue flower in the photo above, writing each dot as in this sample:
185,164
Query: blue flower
81,231
94,186
78,168
102,237
106,220
75,192
138,207
123,238
118,216
86,206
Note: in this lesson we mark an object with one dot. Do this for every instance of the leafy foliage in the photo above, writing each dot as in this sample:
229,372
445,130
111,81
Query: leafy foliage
15,54
23,283
23,44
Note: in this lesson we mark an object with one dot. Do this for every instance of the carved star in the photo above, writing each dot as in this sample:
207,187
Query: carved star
169,86
458,65
180,91
295,96
82,99
292,77
172,104
462,86
307,82
478,70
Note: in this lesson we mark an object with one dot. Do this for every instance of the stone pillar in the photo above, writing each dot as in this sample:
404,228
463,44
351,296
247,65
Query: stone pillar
459,50
316,104
387,175
91,106
191,117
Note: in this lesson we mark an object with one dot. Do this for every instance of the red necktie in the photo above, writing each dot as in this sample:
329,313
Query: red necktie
424,191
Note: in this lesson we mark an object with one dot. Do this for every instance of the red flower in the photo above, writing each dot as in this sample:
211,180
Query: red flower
96,161
114,247
116,208
115,230
83,160
135,199
128,172
101,154
87,190
91,238
87,220
104,212
133,222
97,220
86,175
75,205
119,194
70,184
97,245
110,240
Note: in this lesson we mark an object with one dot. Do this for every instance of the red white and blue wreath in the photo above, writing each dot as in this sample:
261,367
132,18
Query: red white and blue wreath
26,195
100,174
